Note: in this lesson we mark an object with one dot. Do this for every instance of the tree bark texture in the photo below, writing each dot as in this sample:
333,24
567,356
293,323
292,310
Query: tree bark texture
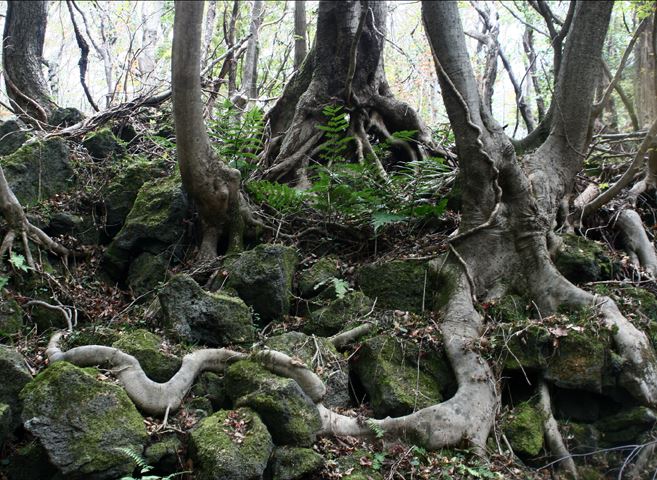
346,69
22,51
213,186
300,40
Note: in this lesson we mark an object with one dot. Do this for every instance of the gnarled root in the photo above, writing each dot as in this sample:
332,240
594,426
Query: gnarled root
637,243
552,434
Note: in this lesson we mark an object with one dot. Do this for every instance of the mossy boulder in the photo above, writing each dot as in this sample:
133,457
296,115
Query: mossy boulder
290,416
65,117
399,285
155,224
15,376
37,171
5,422
399,377
121,191
11,317
625,427
317,278
205,317
580,361
524,430
82,422
146,272
82,228
29,462
293,463
338,315
581,260
263,279
580,437
145,347
102,144
334,372
12,136
209,385
231,444
163,455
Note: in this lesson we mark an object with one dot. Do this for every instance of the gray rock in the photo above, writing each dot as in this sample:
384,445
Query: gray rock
154,224
11,317
37,171
102,144
11,137
145,347
317,278
230,445
83,423
5,422
29,462
338,315
290,416
263,279
146,273
208,318
15,376
65,117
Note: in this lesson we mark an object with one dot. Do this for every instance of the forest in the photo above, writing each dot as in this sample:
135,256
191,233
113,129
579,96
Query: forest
332,239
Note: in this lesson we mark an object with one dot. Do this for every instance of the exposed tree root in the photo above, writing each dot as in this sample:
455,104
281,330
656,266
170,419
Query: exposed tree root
638,245
552,434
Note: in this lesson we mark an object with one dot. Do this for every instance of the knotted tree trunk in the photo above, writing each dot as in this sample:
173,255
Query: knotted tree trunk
345,67
22,51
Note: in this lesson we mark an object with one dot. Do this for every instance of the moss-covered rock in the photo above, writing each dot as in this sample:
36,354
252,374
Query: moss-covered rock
580,361
625,427
399,378
11,317
338,315
15,376
82,228
82,422
120,194
400,284
263,279
199,316
145,347
102,144
317,278
146,272
154,225
293,463
231,444
580,437
29,462
334,372
290,416
12,136
581,260
5,422
524,430
163,455
97,335
211,386
65,117
38,171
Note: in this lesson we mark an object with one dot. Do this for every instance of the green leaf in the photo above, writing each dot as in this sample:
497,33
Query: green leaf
18,262
379,219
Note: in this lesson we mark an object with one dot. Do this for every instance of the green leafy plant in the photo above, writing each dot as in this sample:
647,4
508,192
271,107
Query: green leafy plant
3,281
336,143
18,262
144,467
278,196
378,460
378,431
237,137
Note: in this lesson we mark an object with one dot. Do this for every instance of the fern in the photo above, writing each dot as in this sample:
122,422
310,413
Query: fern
336,144
278,196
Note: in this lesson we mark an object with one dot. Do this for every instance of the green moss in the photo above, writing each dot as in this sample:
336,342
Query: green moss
581,260
338,315
38,171
292,463
350,468
15,376
290,416
11,137
400,284
524,430
625,427
102,144
105,420
219,453
317,278
146,273
11,317
211,386
299,345
395,382
145,347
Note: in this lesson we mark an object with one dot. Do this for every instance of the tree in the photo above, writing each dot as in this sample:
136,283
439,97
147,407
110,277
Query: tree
250,65
345,67
213,186
300,42
22,51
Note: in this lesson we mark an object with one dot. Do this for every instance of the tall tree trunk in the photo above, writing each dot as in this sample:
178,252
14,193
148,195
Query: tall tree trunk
250,66
150,19
213,186
208,31
645,90
300,40
347,69
22,51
